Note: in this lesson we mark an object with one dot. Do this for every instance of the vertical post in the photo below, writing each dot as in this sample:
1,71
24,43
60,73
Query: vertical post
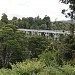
72,25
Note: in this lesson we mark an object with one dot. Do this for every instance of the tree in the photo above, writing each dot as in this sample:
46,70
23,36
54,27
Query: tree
38,21
24,21
69,41
12,45
6,35
46,20
19,24
36,45
70,14
4,18
1,24
14,20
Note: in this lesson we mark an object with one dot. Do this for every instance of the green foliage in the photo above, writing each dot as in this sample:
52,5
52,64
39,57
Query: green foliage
4,18
32,23
69,47
12,45
37,44
70,13
34,67
48,58
24,68
46,20
51,58
36,23
59,25
68,70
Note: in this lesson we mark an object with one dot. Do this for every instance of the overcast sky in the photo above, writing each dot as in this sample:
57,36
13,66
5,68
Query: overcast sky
32,8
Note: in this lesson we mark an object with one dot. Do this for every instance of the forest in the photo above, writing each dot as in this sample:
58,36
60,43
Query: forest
36,55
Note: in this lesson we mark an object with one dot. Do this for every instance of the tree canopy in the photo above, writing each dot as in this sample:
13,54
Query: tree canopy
71,7
4,18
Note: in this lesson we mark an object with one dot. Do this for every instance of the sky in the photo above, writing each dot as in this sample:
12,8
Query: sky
33,8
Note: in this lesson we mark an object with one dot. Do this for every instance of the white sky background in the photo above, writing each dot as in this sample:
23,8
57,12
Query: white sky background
32,8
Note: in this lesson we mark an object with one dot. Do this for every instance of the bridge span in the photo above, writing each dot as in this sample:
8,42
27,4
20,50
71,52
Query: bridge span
45,33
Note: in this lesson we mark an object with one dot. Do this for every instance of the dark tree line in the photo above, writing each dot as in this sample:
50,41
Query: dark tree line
29,22
36,23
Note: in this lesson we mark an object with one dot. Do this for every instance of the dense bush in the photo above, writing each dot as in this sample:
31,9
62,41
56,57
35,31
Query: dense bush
36,45
24,68
31,67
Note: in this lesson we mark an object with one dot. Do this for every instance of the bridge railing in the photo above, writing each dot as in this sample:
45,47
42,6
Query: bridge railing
45,31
